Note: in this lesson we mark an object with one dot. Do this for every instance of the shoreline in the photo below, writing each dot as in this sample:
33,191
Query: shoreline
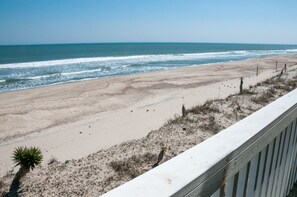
140,73
96,114
107,77
68,61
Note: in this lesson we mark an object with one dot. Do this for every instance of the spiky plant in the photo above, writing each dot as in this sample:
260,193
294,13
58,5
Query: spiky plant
27,158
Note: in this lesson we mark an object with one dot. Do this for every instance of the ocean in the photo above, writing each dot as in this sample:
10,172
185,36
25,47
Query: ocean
29,66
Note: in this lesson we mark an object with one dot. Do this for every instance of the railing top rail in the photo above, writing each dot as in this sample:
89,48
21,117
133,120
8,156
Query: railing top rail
217,158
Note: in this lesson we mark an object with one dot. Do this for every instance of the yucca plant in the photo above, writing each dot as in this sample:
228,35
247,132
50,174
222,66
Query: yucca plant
27,158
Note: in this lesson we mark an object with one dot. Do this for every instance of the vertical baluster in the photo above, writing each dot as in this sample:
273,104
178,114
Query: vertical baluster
295,171
293,168
289,160
223,190
252,176
216,194
247,176
277,167
268,163
273,167
283,162
229,186
241,181
295,174
293,162
235,184
260,173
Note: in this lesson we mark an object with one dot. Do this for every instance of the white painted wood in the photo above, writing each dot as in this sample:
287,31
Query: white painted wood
241,182
295,174
293,159
294,151
288,161
252,176
290,185
278,162
268,163
294,171
202,169
216,194
293,162
229,186
273,167
260,173
283,163
248,168
258,143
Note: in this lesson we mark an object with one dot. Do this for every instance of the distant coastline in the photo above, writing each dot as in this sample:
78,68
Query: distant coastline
24,67
139,42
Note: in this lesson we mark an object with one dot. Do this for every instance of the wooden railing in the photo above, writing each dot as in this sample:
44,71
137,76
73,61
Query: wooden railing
254,157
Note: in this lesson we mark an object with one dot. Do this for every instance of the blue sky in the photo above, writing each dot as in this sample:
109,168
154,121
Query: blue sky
83,21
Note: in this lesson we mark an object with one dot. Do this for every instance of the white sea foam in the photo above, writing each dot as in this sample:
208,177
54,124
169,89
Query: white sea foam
61,74
82,72
149,58
66,61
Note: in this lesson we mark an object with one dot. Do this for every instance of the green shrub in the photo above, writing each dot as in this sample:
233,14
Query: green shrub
27,158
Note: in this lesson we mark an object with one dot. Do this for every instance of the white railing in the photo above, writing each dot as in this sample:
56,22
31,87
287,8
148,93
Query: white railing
254,157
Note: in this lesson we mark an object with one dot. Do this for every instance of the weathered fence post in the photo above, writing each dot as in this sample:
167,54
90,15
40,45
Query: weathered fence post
281,73
184,113
241,84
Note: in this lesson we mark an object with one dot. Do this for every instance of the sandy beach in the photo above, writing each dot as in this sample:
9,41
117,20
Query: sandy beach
71,121
74,120
111,133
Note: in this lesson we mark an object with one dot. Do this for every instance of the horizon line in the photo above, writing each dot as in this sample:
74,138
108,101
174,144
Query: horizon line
81,43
